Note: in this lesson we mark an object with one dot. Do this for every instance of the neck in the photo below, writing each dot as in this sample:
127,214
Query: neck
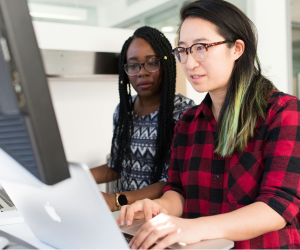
145,106
217,98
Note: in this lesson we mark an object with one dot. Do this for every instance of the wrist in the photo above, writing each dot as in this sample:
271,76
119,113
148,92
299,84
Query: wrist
210,227
120,200
112,202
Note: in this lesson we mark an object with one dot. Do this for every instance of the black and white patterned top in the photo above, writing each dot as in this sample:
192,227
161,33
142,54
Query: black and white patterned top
143,144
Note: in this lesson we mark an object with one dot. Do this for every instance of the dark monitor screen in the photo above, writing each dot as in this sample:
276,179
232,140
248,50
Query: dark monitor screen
28,128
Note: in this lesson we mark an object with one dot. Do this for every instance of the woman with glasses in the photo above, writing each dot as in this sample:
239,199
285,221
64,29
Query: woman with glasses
235,163
143,124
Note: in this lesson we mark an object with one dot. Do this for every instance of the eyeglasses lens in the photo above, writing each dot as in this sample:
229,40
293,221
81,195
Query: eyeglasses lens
151,65
180,55
199,52
131,69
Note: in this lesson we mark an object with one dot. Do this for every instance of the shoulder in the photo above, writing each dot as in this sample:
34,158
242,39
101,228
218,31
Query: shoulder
280,101
180,101
181,105
116,114
117,110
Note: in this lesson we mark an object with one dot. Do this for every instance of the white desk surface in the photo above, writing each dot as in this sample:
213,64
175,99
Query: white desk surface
23,232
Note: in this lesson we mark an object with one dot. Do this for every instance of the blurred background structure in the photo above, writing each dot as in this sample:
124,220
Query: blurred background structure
80,41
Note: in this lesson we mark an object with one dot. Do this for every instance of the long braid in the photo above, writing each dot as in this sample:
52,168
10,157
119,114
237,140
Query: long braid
120,151
120,148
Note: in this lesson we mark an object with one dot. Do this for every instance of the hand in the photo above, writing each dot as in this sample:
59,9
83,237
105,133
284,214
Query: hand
174,230
111,201
139,210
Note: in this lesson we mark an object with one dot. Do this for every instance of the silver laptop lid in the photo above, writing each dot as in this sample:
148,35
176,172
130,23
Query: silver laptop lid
70,214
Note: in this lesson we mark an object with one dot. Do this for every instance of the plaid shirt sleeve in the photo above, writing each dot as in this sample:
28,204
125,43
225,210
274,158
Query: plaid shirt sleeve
280,187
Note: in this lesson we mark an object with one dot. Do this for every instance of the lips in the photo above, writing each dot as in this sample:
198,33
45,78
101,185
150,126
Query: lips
197,76
145,84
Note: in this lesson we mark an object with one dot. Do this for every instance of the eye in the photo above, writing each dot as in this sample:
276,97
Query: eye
132,66
180,51
152,62
199,48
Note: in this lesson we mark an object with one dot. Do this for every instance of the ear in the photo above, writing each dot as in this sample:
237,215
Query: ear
238,49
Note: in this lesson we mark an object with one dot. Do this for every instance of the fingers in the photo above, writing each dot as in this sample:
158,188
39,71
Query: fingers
127,213
150,233
167,241
140,209
148,209
120,220
131,210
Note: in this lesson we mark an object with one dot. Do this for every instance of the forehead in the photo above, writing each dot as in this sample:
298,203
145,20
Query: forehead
197,28
139,48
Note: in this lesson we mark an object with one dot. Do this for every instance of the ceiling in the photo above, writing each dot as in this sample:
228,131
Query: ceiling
135,13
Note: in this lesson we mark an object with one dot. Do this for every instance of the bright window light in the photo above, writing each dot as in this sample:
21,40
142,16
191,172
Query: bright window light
57,12
167,29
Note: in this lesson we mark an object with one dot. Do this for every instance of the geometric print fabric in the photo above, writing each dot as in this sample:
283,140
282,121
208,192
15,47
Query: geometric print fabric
143,144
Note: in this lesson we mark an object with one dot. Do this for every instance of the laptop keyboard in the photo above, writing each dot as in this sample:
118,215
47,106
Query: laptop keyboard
5,197
129,237
6,203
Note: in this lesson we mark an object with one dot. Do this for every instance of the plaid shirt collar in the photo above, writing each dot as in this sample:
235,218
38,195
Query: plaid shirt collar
205,110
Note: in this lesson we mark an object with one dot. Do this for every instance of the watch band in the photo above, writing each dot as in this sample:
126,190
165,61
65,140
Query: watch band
124,201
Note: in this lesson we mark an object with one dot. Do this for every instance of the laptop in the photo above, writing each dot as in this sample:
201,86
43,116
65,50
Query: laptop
73,213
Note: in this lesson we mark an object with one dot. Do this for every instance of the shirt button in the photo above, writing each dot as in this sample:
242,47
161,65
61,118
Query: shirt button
214,212
217,177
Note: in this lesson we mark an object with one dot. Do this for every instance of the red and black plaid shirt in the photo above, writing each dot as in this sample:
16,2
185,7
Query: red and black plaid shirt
268,170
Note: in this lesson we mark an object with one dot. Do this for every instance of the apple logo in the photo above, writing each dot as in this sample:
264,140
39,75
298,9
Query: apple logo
51,211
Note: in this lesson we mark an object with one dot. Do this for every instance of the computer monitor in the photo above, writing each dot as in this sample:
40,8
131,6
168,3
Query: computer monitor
28,128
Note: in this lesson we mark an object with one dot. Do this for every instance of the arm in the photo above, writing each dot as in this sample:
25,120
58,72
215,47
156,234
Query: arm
152,191
173,202
242,224
104,174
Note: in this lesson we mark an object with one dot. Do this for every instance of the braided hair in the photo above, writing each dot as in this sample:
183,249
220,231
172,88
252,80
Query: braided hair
120,149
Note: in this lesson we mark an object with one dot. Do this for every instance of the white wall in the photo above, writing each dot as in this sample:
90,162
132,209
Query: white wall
84,110
273,23
58,36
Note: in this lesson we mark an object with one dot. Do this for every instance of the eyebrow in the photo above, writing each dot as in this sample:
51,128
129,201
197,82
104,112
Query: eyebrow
135,58
195,41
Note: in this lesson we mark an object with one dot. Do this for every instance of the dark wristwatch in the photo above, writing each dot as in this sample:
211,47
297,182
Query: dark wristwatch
121,200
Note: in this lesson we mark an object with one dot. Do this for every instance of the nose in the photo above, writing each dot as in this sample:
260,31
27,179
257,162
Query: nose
191,62
143,72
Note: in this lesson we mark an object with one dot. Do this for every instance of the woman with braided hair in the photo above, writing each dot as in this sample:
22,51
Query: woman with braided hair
143,124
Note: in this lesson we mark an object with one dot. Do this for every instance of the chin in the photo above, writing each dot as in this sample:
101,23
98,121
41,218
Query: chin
200,89
145,93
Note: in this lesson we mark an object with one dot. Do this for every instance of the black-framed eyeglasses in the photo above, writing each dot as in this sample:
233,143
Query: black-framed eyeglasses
197,50
150,65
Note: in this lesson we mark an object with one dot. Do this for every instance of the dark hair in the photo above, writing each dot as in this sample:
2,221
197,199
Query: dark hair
120,150
248,91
